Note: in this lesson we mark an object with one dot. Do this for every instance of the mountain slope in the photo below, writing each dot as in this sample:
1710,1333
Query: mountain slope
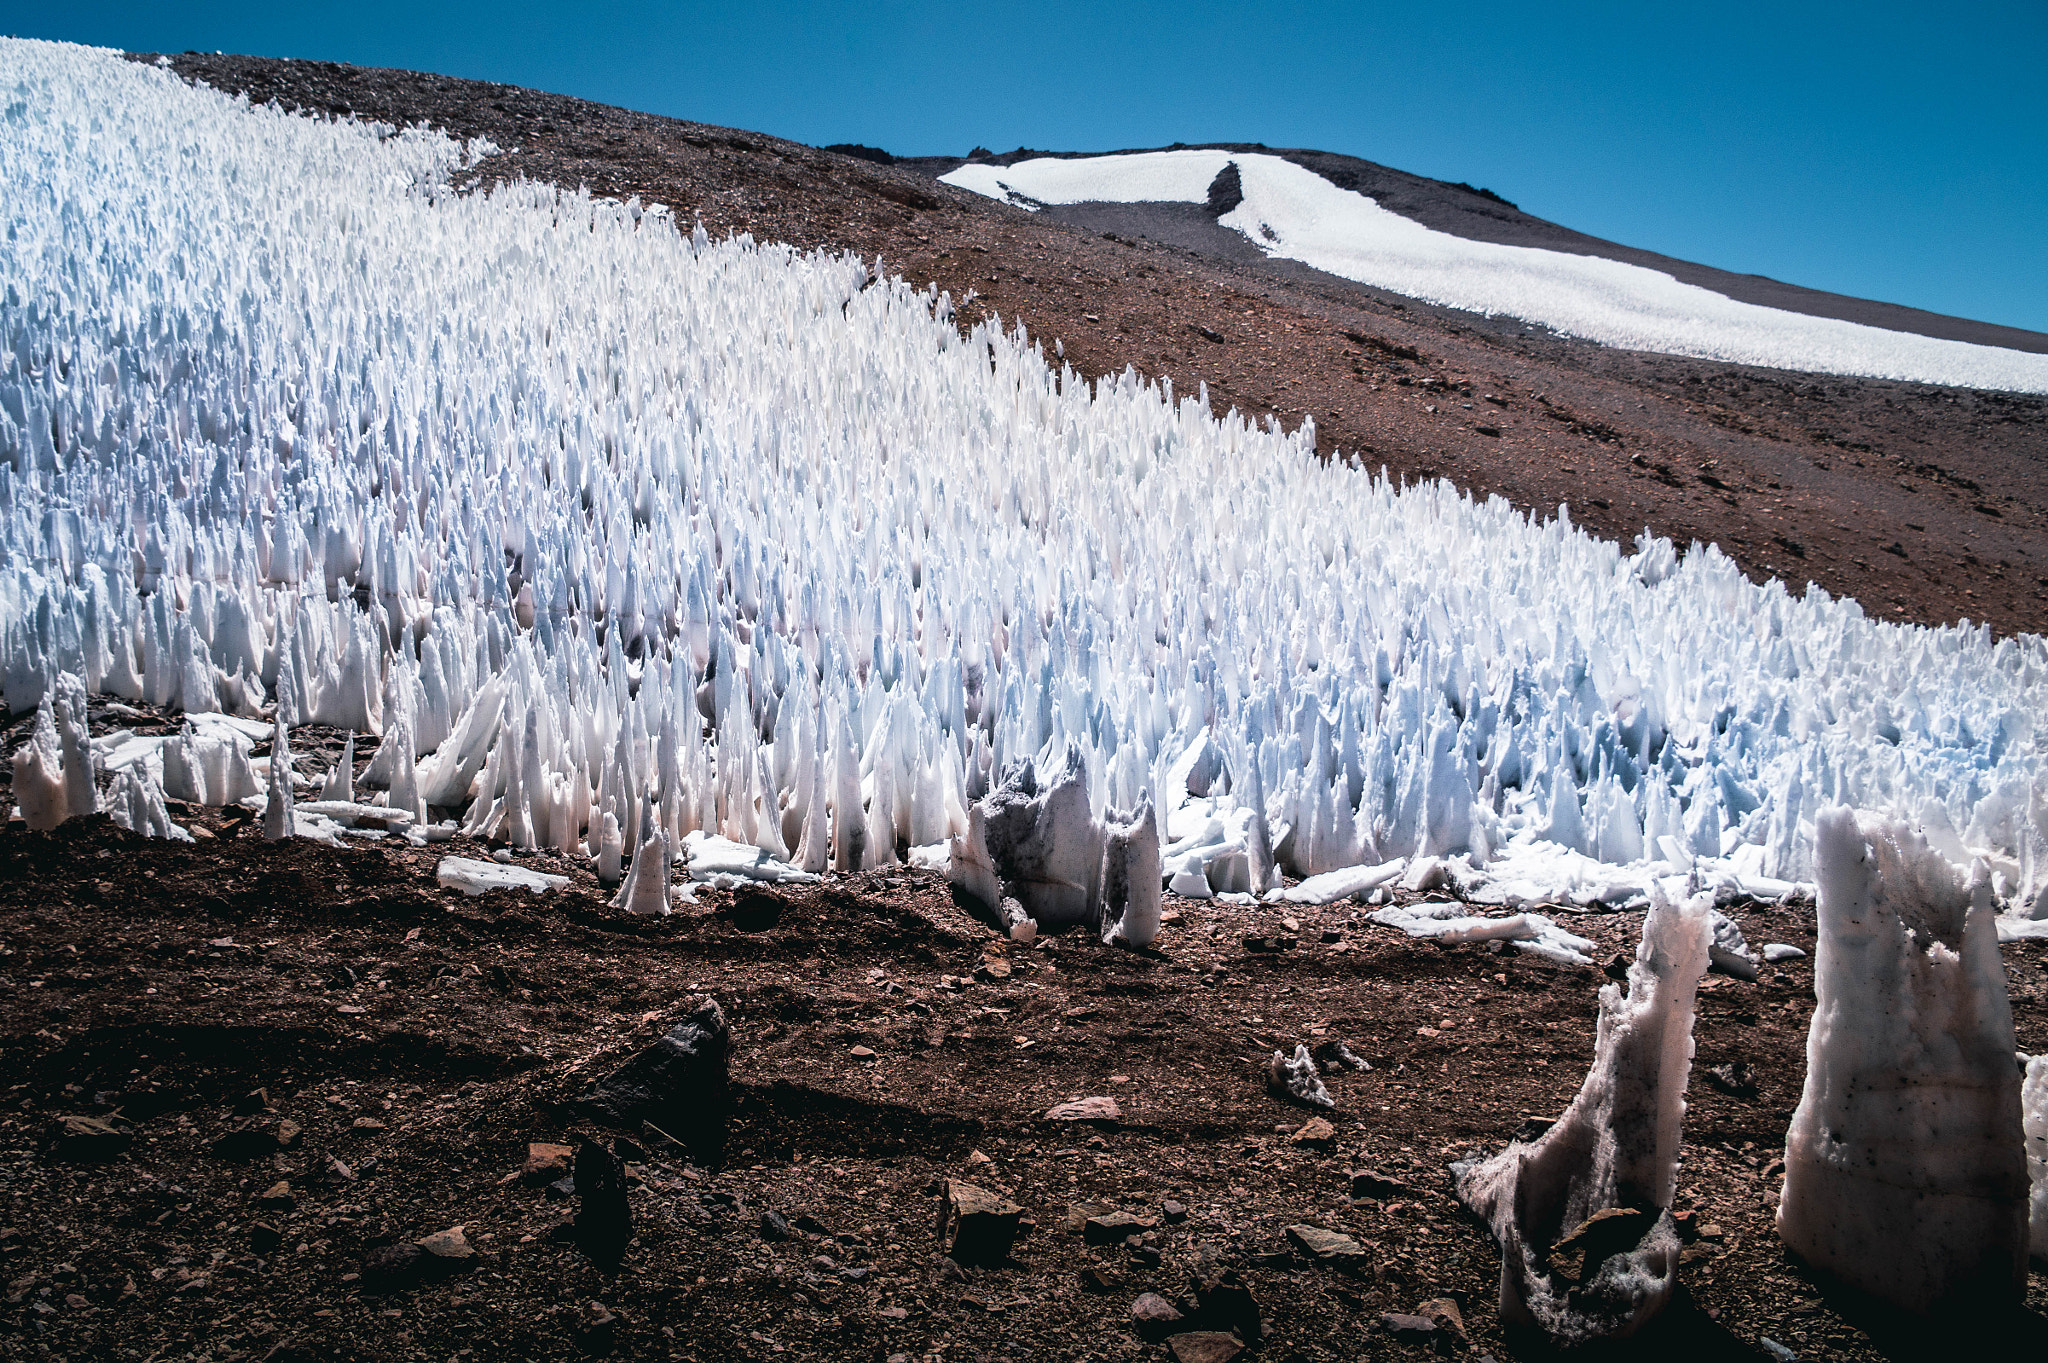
1923,502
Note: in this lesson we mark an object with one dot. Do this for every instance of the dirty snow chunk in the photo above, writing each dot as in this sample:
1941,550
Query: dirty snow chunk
1445,923
1782,951
1729,953
1616,1146
2034,1125
1349,882
347,812
710,855
1908,1133
475,877
1297,1078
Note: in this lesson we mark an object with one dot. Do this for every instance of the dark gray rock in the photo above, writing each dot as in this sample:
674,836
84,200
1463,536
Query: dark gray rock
680,1085
603,1221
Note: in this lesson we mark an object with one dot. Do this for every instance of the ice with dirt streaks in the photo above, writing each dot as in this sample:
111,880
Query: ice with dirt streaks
602,529
1908,1133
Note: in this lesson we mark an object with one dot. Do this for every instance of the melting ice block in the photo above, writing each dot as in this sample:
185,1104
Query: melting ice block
1905,1172
1033,838
1295,1077
645,890
1349,882
136,803
1130,879
711,856
1610,1160
475,877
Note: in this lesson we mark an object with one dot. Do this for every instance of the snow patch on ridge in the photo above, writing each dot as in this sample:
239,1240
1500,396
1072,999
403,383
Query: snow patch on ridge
1294,214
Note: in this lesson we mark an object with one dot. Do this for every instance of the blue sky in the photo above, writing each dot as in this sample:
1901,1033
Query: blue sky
1890,151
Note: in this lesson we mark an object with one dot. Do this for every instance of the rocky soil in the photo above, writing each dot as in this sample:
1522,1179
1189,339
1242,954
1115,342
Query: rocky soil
1924,503
305,1061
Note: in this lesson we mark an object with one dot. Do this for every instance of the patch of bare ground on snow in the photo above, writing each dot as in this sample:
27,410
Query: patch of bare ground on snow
1925,503
199,998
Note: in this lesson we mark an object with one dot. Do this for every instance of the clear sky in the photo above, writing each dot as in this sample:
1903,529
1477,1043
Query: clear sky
1891,151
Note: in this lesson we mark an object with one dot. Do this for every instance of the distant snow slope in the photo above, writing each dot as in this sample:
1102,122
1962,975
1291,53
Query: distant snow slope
611,527
1295,214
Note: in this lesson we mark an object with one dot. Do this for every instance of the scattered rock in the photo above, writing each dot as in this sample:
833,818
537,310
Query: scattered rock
1601,1236
391,1267
1203,1346
1079,1212
597,1328
1113,1227
447,1244
1413,1329
679,1085
1097,1109
334,1172
264,1237
603,1221
1367,1183
366,1124
975,1225
1315,1133
244,1142
1221,1297
773,1227
1736,1079
1265,943
288,1134
1328,1247
1173,1212
545,1162
252,1102
862,1053
1154,1316
1449,1317
88,1139
278,1197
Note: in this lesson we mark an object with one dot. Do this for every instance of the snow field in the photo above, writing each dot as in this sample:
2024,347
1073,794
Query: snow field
1295,214
612,537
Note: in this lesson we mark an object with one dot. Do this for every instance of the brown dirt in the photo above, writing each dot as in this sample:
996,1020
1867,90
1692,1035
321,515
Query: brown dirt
167,984
1924,503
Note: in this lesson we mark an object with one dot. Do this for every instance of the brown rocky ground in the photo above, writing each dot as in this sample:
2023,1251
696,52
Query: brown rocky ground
1924,503
883,1042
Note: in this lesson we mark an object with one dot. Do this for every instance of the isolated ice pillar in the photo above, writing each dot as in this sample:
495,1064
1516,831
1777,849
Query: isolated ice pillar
645,890
277,809
39,772
1905,1168
1130,878
1614,1151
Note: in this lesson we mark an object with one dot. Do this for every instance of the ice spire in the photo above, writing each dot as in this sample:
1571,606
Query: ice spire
277,809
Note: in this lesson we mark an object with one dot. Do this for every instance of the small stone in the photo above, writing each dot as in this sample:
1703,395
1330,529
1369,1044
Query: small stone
976,1160
1367,1183
1449,1317
1601,1236
249,1141
1327,1247
393,1266
1112,1227
1079,1212
893,1313
604,1223
862,1053
1315,1133
1096,1109
1173,1212
1155,1316
1221,1297
1096,1278
1203,1346
545,1162
773,1227
288,1134
447,1244
597,1328
88,1139
975,1225
278,1197
264,1237
333,1171
1410,1329
366,1124
252,1102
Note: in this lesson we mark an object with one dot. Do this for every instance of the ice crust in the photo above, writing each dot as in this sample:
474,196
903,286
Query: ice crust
597,527
474,877
1908,1132
1616,1146
1293,213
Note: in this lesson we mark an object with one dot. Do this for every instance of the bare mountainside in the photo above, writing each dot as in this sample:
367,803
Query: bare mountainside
1923,502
